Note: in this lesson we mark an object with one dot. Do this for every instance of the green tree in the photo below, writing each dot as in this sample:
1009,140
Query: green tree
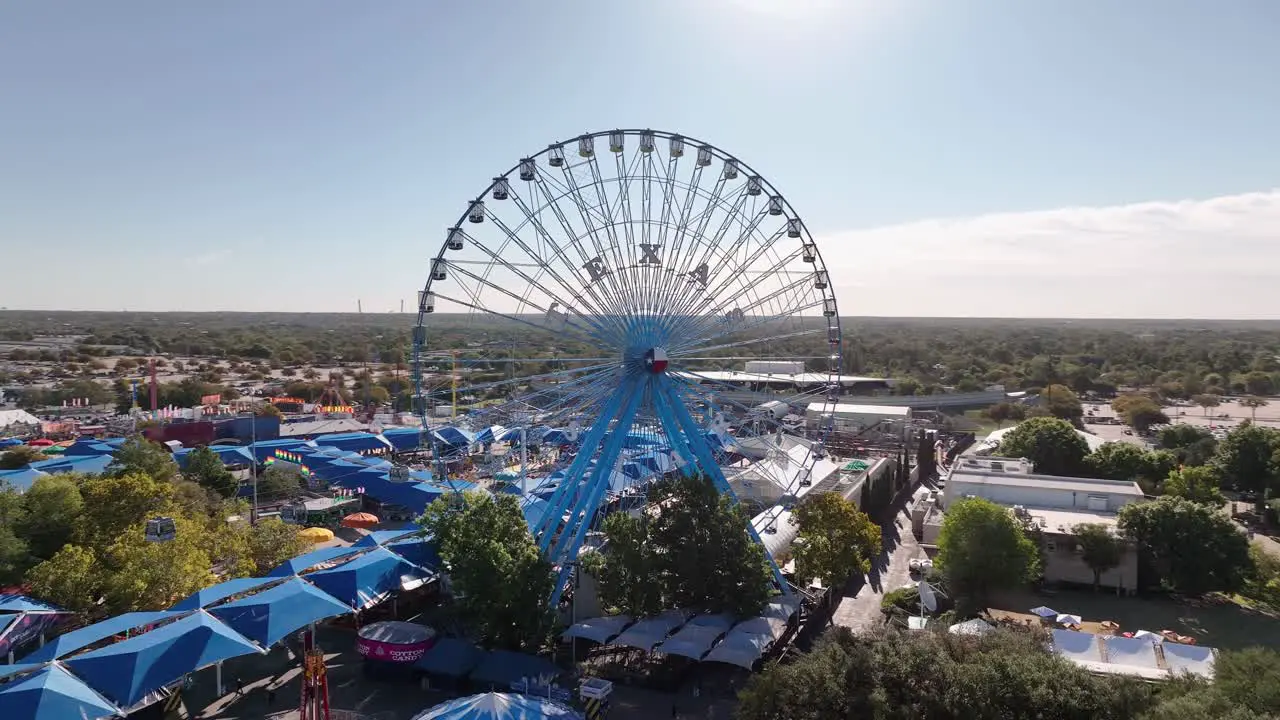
982,547
1259,383
113,503
152,576
1199,484
14,556
205,468
1101,549
51,509
706,554
278,483
1253,402
1207,402
1194,548
19,456
1126,461
1139,412
71,578
502,583
1191,445
1246,461
271,542
1052,445
270,410
1061,402
139,455
836,540
628,572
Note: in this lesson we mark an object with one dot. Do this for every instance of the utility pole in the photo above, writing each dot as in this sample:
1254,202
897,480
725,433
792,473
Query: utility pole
253,465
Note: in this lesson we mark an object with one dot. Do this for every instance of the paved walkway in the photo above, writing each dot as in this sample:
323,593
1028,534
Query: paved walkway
859,609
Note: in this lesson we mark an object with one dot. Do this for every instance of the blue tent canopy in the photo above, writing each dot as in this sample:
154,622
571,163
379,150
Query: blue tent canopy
382,537
128,671
272,614
88,448
92,464
264,449
560,437
6,619
450,657
228,454
534,508
86,636
52,694
454,437
422,552
499,706
10,442
21,479
221,591
7,671
302,563
355,442
503,667
490,434
403,438
22,603
365,580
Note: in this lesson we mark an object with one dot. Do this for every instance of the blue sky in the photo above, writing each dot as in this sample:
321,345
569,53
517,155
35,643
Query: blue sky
159,155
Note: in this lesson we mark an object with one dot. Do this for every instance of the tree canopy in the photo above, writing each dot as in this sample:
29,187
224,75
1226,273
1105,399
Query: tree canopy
982,547
1051,444
205,468
494,568
1247,460
1100,549
836,540
1195,548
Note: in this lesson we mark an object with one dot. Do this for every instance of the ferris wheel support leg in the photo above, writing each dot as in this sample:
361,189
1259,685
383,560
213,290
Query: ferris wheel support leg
586,508
676,416
568,487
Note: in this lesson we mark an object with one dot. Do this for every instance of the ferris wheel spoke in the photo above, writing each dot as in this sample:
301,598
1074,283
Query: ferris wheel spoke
585,334
726,329
682,349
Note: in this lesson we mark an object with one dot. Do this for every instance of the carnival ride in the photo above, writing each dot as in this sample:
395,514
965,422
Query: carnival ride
661,256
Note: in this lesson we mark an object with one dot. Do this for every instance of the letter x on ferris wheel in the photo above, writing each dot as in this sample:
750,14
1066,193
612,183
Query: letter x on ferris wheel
605,292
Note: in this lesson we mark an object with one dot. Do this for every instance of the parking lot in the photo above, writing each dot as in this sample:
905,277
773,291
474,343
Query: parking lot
1226,416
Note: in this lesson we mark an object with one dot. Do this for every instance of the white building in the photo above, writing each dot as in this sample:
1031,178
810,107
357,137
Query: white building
844,417
1054,504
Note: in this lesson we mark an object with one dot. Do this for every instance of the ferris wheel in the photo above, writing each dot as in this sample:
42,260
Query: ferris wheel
639,299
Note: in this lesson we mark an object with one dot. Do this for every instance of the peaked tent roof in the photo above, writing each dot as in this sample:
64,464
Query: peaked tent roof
21,479
52,694
354,441
403,438
22,603
450,657
221,591
499,706
382,537
301,563
366,579
128,671
86,636
272,614
20,668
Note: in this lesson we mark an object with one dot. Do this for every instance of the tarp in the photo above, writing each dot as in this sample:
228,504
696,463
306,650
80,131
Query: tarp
221,591
367,579
10,442
403,438
21,479
1139,652
601,629
651,631
272,614
739,649
128,671
88,635
500,668
450,657
304,562
423,552
975,626
499,706
52,694
22,603
1193,659
1077,645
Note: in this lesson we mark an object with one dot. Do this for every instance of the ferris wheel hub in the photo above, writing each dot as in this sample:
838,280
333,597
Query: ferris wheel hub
655,360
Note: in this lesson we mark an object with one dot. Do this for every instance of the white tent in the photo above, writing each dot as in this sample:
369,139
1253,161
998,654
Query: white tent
647,633
1192,659
1139,652
601,630
696,638
741,649
1076,645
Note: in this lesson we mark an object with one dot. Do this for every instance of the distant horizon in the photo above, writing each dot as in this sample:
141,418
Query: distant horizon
410,315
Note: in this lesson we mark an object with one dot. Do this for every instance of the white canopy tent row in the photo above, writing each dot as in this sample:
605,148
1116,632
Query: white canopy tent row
710,638
1136,656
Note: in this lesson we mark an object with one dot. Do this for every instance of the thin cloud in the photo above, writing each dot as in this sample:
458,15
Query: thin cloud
1214,258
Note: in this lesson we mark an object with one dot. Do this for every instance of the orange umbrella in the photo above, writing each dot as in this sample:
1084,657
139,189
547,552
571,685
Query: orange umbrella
360,520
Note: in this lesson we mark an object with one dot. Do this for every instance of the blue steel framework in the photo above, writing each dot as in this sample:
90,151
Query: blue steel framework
677,257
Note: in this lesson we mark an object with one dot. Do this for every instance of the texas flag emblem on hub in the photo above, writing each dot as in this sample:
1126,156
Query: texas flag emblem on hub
655,361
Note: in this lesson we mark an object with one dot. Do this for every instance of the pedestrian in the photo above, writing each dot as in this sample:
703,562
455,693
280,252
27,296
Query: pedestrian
239,686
